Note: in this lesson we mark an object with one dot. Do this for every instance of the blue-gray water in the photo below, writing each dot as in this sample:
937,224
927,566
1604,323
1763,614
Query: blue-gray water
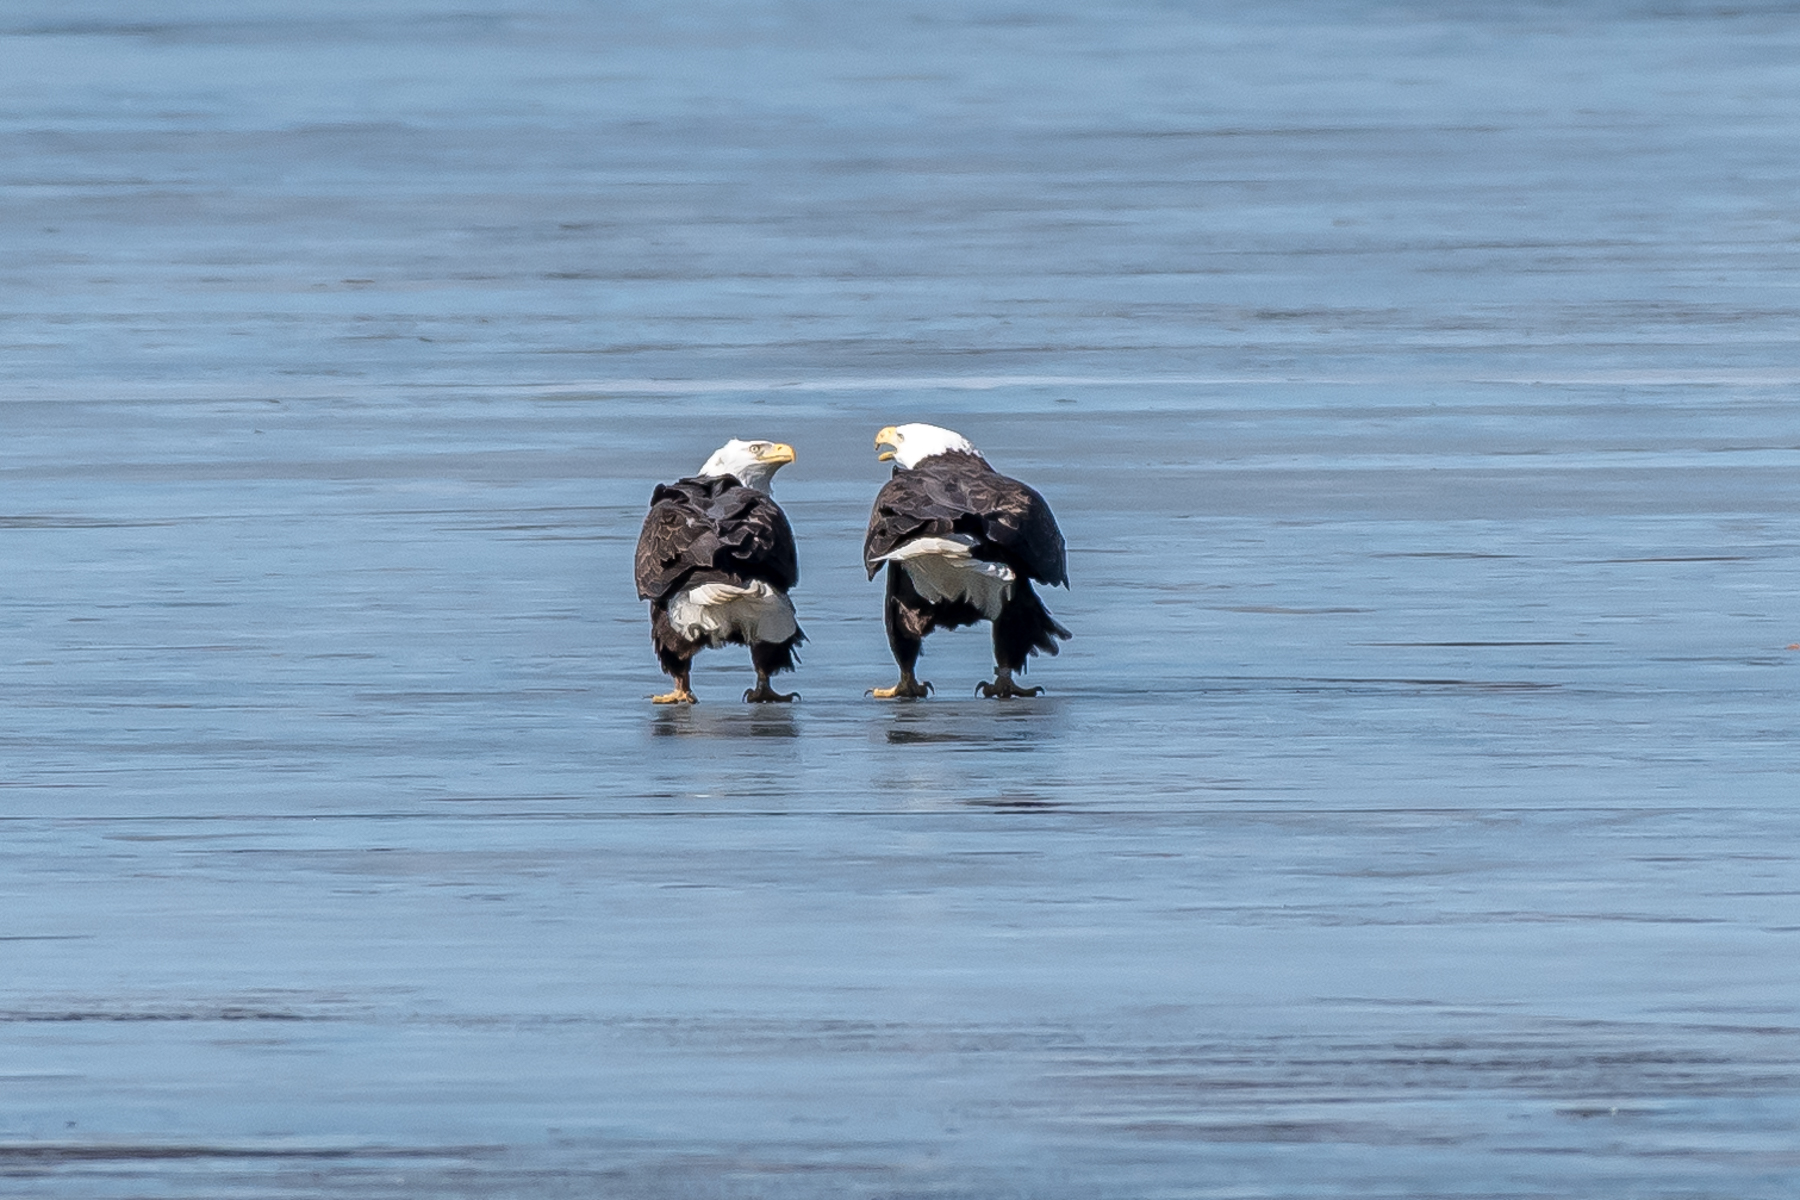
1412,815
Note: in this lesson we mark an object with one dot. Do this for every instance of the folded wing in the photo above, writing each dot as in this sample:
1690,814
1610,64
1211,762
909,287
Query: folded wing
716,528
959,494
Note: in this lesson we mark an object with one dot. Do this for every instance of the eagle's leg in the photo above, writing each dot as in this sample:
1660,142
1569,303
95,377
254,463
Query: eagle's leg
907,624
908,688
675,654
1023,628
769,658
682,694
1003,687
762,693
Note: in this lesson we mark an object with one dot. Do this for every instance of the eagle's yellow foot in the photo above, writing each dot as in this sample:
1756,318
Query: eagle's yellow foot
762,693
907,689
1003,688
678,696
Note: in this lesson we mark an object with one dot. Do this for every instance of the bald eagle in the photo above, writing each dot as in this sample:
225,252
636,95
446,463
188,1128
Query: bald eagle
962,543
716,560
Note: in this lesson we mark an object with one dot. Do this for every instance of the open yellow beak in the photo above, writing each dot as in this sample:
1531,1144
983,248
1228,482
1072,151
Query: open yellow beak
780,452
887,437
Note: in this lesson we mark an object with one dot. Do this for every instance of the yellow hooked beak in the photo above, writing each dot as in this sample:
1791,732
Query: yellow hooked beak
887,437
780,452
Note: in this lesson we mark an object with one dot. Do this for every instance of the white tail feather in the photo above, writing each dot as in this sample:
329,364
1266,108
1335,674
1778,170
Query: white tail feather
713,612
943,570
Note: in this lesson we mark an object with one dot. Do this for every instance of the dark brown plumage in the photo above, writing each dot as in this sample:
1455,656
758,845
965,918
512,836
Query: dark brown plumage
957,496
714,530
960,493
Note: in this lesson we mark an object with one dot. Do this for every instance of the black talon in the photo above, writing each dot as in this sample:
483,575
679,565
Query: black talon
767,695
1005,690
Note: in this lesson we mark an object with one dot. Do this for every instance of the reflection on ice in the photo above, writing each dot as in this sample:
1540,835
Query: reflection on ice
975,724
721,721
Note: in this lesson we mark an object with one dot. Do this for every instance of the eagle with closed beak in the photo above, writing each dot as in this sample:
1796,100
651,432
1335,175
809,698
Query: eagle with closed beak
716,560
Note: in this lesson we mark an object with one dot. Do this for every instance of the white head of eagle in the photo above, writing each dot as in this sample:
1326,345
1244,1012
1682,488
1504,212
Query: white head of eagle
753,463
914,443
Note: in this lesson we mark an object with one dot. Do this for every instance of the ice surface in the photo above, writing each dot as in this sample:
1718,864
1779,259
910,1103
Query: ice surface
1412,814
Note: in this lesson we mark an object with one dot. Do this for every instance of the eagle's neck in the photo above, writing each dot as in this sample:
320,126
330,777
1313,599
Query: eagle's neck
968,460
758,477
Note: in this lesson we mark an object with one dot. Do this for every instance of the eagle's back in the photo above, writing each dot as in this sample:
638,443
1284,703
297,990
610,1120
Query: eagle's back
714,525
960,493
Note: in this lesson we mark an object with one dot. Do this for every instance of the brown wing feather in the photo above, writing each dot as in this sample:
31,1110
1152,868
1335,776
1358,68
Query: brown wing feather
716,525
960,493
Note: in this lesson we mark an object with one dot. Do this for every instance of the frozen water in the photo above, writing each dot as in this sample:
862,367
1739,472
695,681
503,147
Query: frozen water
1412,814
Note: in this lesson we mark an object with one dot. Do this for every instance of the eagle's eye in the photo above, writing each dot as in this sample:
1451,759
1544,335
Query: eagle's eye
759,447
